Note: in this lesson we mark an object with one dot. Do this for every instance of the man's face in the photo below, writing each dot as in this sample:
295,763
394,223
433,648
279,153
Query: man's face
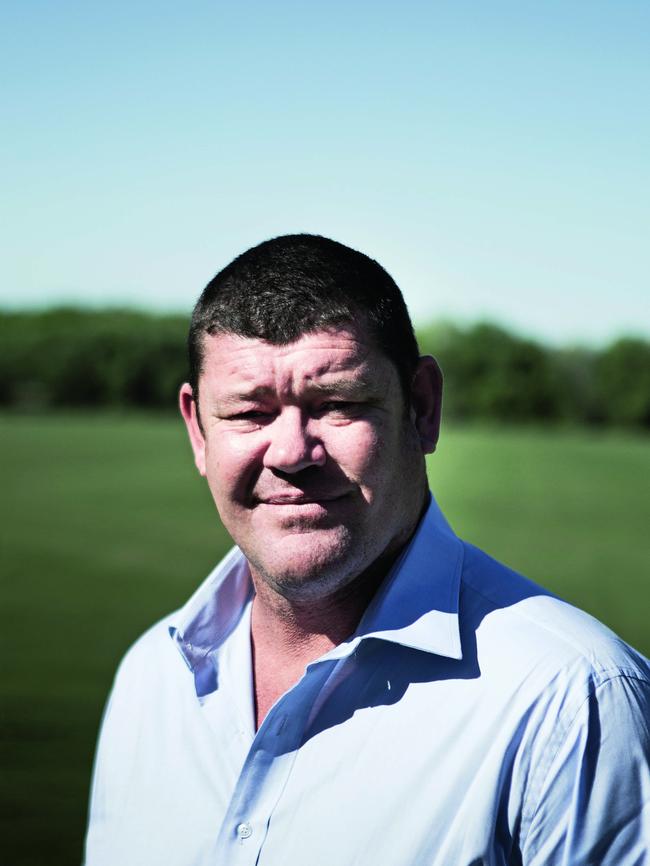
314,463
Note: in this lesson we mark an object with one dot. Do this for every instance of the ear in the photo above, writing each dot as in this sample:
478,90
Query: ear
189,411
426,402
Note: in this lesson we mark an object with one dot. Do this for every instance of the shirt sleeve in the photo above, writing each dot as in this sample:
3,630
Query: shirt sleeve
102,799
115,764
593,808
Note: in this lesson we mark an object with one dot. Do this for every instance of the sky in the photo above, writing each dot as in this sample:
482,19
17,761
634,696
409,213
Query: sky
494,157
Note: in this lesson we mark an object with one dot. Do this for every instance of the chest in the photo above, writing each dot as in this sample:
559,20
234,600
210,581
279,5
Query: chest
356,764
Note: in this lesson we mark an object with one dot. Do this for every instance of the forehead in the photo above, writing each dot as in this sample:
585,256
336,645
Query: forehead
315,356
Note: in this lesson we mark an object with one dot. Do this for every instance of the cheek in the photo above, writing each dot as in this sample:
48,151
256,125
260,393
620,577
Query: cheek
385,461
231,463
358,450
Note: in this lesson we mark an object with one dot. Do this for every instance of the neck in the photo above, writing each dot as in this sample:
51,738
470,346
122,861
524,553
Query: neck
287,635
296,628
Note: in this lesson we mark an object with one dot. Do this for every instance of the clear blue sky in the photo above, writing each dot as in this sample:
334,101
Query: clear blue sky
495,157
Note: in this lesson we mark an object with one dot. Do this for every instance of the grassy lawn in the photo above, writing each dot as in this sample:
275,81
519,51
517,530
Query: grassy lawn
106,527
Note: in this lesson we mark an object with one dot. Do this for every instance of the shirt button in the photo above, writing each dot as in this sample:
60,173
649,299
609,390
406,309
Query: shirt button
244,830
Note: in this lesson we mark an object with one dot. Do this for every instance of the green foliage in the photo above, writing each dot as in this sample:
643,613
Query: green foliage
491,374
623,375
120,358
575,382
69,357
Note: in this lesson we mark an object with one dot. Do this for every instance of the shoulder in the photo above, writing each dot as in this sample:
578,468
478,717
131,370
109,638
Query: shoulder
150,677
159,659
523,626
152,652
581,699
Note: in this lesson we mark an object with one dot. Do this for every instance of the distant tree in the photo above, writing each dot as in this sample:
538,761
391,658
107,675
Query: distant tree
71,357
123,358
574,372
623,383
492,375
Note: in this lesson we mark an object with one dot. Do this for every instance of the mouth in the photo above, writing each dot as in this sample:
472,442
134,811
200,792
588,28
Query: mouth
300,499
297,510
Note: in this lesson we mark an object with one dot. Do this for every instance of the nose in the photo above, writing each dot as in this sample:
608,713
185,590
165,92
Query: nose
292,445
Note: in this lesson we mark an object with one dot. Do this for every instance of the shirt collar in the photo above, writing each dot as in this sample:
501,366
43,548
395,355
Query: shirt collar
210,615
416,606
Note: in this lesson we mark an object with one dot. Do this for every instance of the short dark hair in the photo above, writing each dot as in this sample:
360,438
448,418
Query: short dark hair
295,284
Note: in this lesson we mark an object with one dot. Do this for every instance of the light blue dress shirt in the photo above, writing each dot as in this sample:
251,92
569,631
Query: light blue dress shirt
472,719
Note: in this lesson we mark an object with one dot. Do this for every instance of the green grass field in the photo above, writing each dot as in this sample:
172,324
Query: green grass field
106,527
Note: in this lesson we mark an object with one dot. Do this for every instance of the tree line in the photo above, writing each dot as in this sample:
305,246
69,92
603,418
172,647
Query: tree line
66,358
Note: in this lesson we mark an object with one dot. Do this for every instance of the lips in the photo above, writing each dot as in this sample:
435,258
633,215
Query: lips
310,487
298,499
302,513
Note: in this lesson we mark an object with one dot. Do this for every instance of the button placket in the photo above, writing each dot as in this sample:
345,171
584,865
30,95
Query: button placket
265,771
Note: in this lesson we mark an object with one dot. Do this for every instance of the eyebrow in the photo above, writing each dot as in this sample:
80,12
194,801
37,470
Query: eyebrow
254,395
343,387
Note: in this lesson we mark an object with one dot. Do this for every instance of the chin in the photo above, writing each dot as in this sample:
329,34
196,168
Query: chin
297,573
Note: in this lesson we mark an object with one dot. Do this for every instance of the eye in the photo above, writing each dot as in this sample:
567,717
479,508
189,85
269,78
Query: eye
337,407
255,416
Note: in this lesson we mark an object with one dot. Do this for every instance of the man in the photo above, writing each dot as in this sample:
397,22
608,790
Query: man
354,684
